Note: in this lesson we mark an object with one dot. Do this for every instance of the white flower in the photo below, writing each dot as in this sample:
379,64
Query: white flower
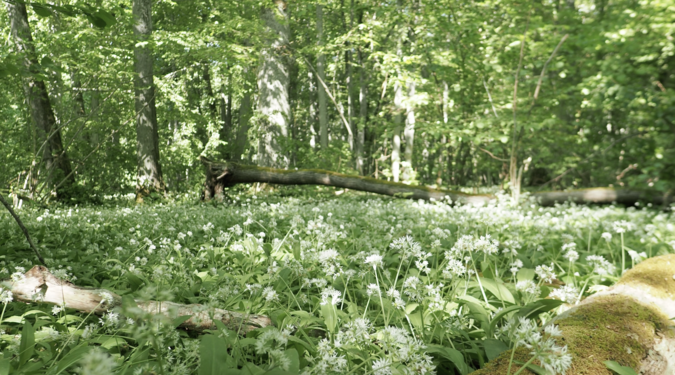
567,293
372,288
330,295
527,286
6,296
607,236
382,366
374,260
106,298
571,255
545,273
56,310
270,294
97,362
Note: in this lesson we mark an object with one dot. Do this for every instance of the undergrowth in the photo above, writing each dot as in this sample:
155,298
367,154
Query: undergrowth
354,285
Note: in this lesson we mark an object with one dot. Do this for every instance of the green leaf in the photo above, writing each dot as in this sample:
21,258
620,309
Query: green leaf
452,355
475,306
329,316
27,346
498,290
294,358
5,366
41,10
108,18
535,308
621,370
180,320
72,357
501,314
525,274
493,348
214,357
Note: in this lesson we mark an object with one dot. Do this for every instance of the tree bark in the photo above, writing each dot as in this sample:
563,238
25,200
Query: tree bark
396,140
320,68
273,89
225,174
363,114
38,280
629,323
409,135
147,139
42,114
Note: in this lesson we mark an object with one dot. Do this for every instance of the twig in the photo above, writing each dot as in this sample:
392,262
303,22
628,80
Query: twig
23,228
493,156
543,70
332,98
490,98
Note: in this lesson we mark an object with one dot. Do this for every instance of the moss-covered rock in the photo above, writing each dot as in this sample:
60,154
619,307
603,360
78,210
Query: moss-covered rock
628,323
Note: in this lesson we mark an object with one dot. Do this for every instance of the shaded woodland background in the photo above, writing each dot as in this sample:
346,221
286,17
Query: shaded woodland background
478,94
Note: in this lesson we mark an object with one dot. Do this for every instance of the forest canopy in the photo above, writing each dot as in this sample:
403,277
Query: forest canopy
544,94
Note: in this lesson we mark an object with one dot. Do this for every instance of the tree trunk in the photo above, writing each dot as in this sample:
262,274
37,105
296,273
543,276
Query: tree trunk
396,141
239,145
224,174
363,114
409,135
320,69
147,139
89,300
54,156
629,323
273,89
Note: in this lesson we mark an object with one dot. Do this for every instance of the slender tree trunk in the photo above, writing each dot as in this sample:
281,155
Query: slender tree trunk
147,139
363,114
396,141
78,98
273,89
446,96
320,69
53,155
242,132
409,134
311,115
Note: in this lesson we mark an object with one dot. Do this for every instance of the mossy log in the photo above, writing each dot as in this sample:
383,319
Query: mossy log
40,284
629,323
225,174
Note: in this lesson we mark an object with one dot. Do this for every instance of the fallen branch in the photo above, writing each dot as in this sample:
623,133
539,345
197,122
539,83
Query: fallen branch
41,284
23,229
629,323
225,174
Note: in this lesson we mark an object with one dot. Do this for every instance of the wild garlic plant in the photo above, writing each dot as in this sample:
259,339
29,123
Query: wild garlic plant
356,284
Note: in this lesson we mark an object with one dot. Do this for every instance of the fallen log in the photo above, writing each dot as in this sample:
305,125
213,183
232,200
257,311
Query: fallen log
220,175
629,323
40,284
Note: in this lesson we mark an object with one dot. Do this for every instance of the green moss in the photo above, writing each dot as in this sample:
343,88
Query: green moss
611,328
500,365
655,274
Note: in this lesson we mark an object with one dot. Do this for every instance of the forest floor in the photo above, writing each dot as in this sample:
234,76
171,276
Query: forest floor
353,284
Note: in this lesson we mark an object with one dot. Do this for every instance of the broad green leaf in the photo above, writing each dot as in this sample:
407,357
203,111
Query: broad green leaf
498,290
493,348
621,370
329,316
535,308
5,366
214,358
41,10
180,320
27,346
525,274
73,356
502,313
294,358
453,355
475,306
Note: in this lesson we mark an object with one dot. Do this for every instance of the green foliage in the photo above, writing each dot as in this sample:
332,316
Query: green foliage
351,283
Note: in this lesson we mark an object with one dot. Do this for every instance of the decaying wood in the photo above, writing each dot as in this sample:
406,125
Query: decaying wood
629,323
40,284
225,174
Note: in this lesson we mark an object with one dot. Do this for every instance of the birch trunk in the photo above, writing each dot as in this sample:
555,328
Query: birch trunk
396,141
53,155
273,89
363,114
409,135
320,69
147,138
